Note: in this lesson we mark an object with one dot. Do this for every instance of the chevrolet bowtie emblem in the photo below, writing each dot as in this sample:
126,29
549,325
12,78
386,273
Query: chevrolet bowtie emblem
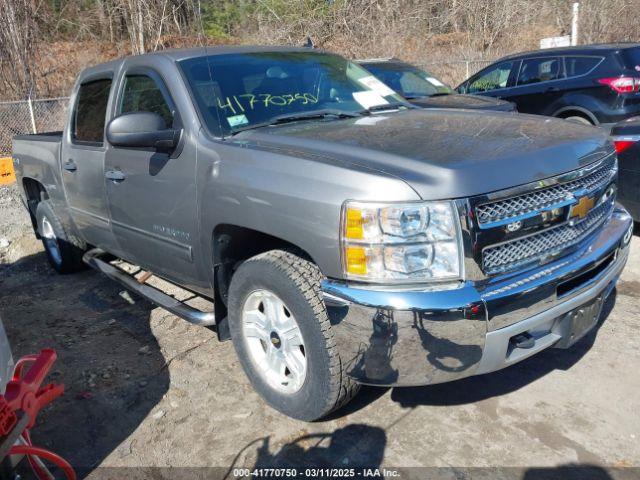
584,206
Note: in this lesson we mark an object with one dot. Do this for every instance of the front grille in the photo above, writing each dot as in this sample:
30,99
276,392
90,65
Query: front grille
502,211
545,243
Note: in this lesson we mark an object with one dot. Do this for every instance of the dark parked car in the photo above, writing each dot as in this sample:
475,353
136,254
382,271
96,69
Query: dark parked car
626,137
595,84
426,91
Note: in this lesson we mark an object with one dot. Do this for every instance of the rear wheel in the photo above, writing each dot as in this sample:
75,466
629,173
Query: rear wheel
579,119
283,338
64,252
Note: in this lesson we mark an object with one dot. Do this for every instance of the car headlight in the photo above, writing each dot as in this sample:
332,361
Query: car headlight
401,242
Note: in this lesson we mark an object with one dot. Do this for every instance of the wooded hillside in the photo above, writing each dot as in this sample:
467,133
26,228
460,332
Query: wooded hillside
44,43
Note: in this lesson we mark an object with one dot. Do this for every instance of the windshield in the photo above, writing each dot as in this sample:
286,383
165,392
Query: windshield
409,81
245,90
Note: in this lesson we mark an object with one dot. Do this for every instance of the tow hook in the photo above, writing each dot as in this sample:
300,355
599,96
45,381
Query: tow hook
523,340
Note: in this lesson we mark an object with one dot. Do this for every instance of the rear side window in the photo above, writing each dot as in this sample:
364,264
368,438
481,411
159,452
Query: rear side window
536,70
142,94
91,112
492,78
576,66
631,58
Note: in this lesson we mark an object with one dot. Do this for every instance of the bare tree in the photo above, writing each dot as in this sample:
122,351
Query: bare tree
18,45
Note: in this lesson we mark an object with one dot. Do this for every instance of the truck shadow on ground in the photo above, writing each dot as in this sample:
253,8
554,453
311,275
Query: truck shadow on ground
108,358
572,472
474,389
356,445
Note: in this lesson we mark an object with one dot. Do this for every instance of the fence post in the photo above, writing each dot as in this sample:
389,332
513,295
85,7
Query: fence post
33,118
466,62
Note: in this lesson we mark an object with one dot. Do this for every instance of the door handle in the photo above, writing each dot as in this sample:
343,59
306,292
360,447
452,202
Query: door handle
70,166
114,175
552,90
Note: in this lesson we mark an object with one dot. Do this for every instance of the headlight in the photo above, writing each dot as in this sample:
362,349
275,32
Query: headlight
401,242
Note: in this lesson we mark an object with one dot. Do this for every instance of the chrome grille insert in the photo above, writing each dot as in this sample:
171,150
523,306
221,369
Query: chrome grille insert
501,212
535,247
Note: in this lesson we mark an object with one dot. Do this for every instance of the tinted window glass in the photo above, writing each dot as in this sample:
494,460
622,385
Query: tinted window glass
576,66
142,94
632,58
492,78
91,111
407,80
535,70
239,91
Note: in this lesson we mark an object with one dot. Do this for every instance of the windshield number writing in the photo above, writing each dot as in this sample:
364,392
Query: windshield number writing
248,101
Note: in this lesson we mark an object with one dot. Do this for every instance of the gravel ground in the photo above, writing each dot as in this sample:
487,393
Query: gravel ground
147,389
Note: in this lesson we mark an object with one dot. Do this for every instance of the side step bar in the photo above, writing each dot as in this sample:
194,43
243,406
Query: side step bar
190,314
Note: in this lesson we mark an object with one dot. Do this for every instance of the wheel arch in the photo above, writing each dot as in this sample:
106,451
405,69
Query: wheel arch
572,110
34,192
230,246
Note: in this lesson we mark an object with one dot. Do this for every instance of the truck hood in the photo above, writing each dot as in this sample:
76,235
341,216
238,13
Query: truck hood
443,154
455,100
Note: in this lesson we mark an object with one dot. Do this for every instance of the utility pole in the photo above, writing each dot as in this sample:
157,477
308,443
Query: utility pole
574,24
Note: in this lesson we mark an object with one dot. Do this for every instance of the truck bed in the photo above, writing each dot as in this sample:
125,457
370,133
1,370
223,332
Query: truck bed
39,137
36,157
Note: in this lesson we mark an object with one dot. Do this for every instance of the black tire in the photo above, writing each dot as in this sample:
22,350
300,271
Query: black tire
296,281
64,251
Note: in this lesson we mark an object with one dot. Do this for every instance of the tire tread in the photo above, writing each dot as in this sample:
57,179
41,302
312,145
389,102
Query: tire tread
307,277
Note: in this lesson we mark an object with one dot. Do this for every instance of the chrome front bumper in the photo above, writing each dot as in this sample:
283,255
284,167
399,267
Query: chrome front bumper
419,337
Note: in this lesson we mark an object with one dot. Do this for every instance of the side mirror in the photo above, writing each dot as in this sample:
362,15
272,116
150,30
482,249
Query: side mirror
142,130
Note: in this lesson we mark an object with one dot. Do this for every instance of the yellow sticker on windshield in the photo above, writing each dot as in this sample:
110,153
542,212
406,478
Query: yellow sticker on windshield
237,104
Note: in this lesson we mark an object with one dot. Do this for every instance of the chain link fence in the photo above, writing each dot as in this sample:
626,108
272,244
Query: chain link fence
38,116
456,71
30,116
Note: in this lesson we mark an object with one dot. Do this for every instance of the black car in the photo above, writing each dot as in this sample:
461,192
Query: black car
626,137
424,90
592,84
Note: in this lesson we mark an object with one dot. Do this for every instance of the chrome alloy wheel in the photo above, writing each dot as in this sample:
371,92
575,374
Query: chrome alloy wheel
50,240
274,341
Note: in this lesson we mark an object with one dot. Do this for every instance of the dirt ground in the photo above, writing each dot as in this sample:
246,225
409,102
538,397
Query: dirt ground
147,389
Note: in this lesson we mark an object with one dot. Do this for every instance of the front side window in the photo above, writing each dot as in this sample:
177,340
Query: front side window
536,70
407,80
576,66
141,93
492,78
240,91
91,112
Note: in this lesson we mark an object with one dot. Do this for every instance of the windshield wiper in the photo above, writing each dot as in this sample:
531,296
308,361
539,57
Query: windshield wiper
298,116
327,112
385,106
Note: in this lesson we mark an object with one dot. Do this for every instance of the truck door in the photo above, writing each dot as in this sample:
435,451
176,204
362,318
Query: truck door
151,195
82,158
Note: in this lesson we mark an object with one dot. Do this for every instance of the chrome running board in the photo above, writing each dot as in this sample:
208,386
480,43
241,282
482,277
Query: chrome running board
181,309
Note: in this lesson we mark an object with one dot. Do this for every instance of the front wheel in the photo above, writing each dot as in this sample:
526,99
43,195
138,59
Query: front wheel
283,338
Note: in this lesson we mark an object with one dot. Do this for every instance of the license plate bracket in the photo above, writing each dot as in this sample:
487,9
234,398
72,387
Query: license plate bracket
578,322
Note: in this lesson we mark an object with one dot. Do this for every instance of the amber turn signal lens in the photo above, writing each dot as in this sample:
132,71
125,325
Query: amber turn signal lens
354,230
356,260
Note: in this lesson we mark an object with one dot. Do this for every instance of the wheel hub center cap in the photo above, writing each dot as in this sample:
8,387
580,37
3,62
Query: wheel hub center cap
275,340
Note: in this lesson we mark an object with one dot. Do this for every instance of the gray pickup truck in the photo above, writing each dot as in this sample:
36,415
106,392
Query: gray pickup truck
344,236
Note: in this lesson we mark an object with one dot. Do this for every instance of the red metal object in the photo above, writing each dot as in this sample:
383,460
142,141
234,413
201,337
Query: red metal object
24,392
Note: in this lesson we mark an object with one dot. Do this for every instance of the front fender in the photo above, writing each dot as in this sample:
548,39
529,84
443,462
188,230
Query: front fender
297,199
